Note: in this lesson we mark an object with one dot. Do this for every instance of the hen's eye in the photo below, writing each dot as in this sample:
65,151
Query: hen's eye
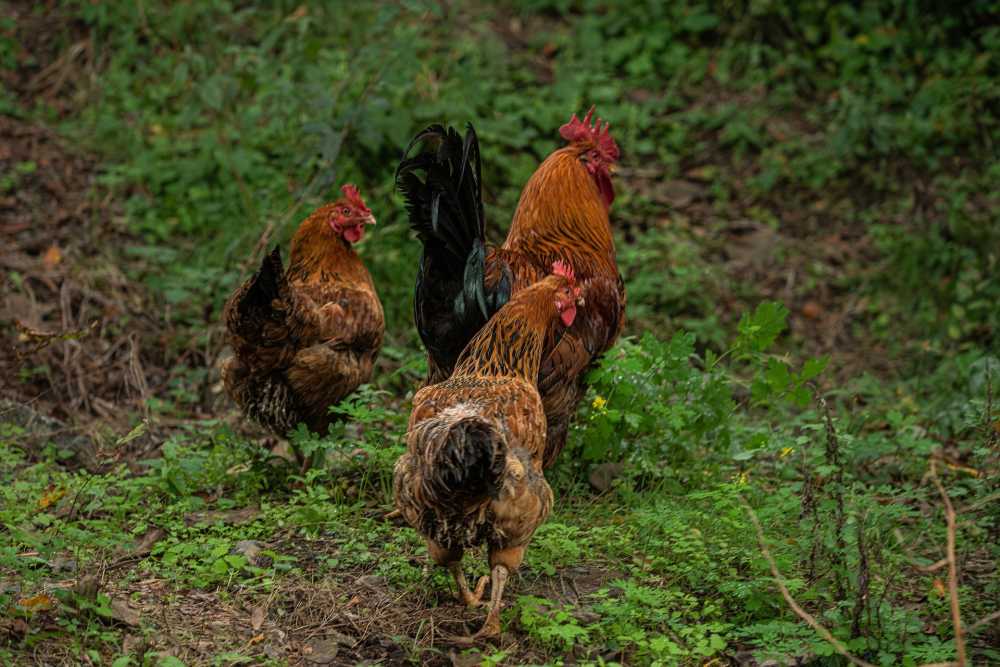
345,211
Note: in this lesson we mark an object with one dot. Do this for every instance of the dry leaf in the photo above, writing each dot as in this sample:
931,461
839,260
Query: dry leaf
257,618
145,544
812,310
120,611
939,587
37,603
50,498
322,652
256,639
52,257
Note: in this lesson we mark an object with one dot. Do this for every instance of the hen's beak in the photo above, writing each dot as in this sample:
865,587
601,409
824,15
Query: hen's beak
612,170
580,301
369,219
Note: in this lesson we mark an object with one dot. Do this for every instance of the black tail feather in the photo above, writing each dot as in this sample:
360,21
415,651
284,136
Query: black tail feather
265,286
443,194
442,186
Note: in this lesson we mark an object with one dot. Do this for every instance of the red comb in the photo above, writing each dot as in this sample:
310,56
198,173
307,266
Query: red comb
582,130
561,268
354,197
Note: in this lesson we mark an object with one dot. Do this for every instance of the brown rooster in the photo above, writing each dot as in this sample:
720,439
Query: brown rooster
472,471
305,338
562,215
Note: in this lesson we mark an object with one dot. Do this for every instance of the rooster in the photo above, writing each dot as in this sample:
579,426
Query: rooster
306,337
562,215
472,471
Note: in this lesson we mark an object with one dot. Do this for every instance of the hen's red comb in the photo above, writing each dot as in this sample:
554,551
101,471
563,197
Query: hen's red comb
582,130
561,268
354,197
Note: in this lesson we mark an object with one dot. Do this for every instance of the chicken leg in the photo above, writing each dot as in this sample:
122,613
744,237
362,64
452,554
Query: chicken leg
464,594
491,628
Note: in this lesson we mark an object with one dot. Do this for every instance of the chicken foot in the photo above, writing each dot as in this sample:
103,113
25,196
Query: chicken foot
464,594
491,628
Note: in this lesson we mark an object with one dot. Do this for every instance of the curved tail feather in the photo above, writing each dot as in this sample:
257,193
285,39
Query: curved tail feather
257,315
442,186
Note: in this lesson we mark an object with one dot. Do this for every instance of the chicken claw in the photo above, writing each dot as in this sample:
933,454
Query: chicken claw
464,594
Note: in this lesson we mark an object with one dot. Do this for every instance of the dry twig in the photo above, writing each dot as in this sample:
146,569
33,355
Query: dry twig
956,612
785,593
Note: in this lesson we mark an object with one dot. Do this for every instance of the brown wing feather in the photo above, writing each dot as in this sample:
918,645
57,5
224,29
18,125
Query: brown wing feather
310,346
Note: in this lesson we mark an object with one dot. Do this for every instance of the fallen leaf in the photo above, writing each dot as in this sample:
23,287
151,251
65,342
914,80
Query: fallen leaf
939,587
323,652
50,498
52,257
257,618
37,603
812,310
256,639
121,611
145,544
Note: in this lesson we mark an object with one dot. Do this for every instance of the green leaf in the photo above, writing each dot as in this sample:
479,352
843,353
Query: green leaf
758,331
813,367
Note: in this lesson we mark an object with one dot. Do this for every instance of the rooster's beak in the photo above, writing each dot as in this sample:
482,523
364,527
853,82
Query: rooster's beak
369,219
580,301
612,170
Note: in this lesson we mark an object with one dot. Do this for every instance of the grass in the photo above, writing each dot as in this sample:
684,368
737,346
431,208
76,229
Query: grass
807,227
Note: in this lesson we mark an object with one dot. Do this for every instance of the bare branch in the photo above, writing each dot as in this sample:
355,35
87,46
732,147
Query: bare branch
956,612
985,620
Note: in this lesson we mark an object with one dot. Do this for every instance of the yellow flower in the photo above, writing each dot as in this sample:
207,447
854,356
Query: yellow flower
785,452
599,403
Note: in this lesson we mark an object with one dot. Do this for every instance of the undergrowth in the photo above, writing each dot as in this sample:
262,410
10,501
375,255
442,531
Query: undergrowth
834,157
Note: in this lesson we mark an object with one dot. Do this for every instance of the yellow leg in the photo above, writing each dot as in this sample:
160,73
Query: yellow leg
491,628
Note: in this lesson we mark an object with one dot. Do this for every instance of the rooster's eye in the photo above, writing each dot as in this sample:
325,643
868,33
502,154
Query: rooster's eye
345,211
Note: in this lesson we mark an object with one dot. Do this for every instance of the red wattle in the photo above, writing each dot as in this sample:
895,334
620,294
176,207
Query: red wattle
354,234
568,315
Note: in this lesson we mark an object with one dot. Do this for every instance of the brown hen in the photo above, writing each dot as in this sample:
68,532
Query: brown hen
306,337
472,471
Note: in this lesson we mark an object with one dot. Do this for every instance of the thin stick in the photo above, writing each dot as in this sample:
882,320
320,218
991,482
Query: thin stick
985,620
956,612
799,611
